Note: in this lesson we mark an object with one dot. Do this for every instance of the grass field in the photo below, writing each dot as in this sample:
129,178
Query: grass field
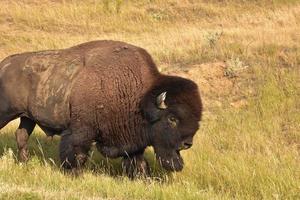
245,56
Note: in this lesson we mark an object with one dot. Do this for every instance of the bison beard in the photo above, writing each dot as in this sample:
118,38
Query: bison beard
107,92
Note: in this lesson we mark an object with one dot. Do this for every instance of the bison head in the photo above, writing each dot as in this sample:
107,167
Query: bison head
173,111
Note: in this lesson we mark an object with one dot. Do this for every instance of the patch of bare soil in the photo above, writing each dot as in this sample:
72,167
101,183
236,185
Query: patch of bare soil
216,87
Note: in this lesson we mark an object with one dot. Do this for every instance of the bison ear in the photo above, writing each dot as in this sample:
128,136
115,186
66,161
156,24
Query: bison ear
152,105
160,101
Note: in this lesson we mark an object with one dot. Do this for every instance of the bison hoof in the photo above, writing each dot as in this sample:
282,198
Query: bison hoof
136,167
23,155
72,172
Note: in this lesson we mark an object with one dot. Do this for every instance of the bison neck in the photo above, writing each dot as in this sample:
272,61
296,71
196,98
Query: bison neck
113,115
122,135
107,94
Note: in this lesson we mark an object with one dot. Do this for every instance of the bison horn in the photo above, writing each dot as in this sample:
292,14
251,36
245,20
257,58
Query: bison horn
160,100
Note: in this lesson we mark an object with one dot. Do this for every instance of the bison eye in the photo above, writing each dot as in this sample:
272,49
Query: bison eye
172,121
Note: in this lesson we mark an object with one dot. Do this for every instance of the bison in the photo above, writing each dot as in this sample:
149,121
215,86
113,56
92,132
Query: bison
105,92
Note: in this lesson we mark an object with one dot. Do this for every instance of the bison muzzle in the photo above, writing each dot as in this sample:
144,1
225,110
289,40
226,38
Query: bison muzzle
107,92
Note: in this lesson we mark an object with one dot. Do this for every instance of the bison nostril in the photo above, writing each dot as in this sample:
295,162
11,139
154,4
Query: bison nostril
187,145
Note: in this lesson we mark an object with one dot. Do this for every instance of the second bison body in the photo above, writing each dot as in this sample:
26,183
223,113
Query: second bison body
106,92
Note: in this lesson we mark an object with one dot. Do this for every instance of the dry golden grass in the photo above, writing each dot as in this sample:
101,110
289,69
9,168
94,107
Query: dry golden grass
249,142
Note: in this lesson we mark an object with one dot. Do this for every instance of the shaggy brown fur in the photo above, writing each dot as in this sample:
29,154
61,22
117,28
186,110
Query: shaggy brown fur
104,92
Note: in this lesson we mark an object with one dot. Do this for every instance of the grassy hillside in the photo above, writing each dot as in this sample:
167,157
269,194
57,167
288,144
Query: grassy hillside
245,57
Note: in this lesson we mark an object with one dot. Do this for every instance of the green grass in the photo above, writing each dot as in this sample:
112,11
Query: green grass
243,152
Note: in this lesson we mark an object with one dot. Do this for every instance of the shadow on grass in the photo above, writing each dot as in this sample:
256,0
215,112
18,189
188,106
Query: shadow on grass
46,150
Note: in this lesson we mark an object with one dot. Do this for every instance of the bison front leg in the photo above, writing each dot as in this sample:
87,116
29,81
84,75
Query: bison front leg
22,135
73,154
135,166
